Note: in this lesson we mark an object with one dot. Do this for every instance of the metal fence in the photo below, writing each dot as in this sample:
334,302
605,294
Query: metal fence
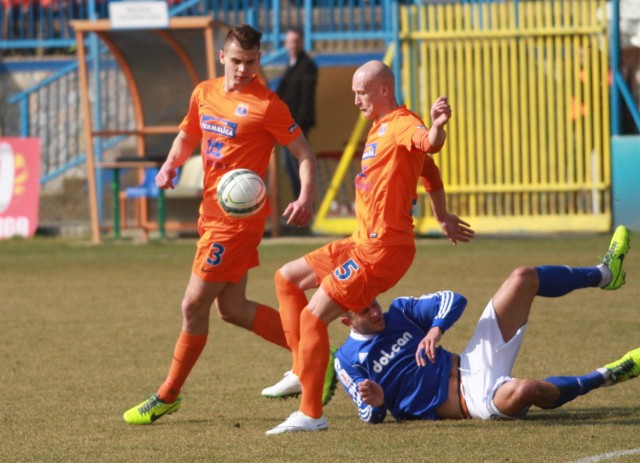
46,24
528,146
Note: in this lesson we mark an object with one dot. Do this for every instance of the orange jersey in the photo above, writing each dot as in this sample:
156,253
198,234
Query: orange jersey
238,130
386,186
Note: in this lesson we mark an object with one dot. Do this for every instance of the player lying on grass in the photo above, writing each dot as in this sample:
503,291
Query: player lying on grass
392,362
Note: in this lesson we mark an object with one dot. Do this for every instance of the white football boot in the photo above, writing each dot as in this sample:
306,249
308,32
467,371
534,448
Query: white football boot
288,386
299,422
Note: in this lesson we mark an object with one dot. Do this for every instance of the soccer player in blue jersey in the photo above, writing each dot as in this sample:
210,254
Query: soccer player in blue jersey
392,362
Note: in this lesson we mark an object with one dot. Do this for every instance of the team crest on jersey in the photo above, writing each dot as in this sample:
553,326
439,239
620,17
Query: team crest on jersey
220,126
242,110
214,148
382,130
369,151
292,127
344,377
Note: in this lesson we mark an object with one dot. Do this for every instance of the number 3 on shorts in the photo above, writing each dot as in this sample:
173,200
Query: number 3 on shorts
215,256
345,271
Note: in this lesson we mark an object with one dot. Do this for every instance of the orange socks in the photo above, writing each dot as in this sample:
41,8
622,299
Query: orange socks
292,302
187,351
267,325
314,353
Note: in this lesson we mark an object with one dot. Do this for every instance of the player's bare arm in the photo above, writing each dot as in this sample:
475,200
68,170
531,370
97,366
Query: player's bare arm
181,149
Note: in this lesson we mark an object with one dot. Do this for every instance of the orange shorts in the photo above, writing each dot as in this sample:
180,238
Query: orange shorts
227,248
353,275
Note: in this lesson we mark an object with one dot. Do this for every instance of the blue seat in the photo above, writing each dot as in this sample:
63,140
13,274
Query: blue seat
147,189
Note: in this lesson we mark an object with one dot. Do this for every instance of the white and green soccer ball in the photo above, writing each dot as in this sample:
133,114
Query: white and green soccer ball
241,193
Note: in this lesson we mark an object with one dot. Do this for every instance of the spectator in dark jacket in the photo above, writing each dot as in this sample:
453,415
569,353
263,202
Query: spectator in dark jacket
297,89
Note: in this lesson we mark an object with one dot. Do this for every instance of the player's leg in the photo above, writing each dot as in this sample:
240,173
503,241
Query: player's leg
221,256
234,307
556,281
226,252
291,281
513,300
196,306
313,359
516,395
512,305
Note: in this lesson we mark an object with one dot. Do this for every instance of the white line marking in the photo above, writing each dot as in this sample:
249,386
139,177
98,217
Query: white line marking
608,456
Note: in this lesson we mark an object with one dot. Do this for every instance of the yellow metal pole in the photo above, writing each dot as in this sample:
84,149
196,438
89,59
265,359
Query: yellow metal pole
516,90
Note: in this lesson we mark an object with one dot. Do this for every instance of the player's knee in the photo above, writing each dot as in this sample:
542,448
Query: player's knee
525,277
296,274
280,280
195,302
526,391
285,273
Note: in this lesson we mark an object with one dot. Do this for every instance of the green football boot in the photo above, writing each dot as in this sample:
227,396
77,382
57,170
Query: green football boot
628,367
330,379
150,410
618,247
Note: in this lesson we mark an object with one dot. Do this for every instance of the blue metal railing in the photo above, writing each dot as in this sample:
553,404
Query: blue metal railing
46,24
42,24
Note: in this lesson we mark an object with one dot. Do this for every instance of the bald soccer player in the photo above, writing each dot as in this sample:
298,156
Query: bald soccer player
351,272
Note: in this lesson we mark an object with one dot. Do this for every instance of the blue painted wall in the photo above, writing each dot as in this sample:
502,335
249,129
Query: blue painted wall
625,166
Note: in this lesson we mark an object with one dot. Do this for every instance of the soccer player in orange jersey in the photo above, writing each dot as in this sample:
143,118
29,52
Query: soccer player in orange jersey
236,121
350,273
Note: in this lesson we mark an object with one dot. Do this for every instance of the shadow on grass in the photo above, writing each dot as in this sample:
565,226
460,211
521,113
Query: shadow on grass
610,415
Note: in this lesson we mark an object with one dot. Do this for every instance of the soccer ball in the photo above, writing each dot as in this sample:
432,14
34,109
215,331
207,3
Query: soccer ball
241,193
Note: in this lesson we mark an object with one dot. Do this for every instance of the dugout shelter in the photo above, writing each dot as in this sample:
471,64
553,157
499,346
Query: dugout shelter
160,67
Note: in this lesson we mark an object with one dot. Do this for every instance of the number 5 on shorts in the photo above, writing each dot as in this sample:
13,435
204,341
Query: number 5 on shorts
345,271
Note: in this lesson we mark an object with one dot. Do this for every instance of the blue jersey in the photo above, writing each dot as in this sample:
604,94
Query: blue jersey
388,358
